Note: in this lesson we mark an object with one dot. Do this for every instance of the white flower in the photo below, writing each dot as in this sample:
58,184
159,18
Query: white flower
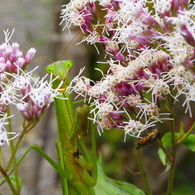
8,36
158,88
105,3
189,91
5,136
130,10
70,13
162,6
135,128
104,113
103,110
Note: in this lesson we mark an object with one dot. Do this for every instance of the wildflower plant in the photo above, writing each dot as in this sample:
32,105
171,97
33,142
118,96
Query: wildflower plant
149,47
30,96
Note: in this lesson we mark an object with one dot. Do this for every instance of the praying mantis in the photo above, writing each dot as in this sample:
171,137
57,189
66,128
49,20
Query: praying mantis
72,126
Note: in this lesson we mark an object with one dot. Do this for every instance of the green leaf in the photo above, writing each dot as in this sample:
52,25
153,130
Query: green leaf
189,142
162,156
13,180
166,140
108,186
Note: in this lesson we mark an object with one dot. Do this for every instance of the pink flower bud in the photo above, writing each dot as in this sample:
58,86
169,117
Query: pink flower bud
29,56
187,35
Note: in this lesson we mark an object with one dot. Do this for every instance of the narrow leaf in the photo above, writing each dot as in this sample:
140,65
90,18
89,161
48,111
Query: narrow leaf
55,165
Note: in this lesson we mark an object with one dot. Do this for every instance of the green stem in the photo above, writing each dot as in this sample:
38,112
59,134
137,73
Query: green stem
1,157
13,151
94,151
172,169
171,179
164,150
186,135
144,176
6,177
25,129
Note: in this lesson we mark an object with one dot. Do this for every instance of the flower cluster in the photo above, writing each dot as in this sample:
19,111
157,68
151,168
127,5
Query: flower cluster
12,59
36,95
150,49
31,96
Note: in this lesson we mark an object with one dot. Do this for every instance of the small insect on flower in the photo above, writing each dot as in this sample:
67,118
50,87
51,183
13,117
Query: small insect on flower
60,68
148,139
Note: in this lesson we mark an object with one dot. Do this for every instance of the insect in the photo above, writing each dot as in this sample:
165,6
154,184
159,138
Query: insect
148,139
72,126
60,68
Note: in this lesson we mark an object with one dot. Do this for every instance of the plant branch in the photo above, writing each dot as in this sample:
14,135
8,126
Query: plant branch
6,177
186,135
164,150
11,142
143,173
172,169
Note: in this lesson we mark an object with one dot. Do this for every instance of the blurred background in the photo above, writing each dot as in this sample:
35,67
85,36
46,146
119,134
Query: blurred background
36,25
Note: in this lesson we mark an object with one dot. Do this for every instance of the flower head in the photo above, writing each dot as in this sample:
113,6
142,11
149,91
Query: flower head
36,95
12,58
30,95
149,47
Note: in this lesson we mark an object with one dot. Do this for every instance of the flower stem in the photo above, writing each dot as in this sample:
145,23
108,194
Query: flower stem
1,157
169,157
13,157
186,135
26,128
144,176
6,177
14,152
172,169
